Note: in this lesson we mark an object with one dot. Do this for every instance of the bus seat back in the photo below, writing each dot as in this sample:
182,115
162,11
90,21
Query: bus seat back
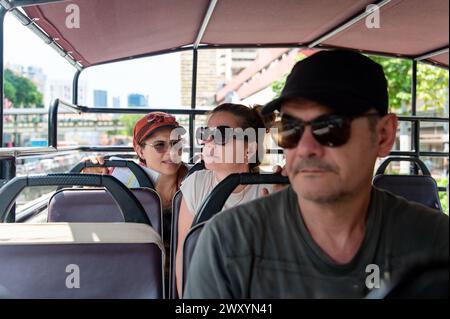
176,204
81,260
188,249
98,206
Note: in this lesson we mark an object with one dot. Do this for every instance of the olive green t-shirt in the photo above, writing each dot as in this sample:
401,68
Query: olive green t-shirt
262,249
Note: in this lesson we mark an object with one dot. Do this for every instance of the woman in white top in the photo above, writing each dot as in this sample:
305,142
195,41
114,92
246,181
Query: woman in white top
231,142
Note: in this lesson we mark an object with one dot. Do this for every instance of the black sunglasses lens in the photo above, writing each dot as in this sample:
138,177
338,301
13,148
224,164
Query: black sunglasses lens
332,131
328,130
287,134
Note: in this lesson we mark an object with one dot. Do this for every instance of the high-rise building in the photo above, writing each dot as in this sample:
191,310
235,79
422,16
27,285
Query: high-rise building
62,89
116,102
241,58
37,76
100,98
137,100
216,67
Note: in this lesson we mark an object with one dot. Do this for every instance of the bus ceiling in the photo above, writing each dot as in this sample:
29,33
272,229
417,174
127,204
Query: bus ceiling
94,32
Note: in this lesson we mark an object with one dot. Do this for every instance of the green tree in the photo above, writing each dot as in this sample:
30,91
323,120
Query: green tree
432,84
22,92
432,89
399,76
443,196
10,92
277,85
129,121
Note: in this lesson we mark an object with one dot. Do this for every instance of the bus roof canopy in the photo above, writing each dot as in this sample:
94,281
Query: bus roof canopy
112,30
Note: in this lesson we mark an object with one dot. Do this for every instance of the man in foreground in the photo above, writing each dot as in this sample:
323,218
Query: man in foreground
331,234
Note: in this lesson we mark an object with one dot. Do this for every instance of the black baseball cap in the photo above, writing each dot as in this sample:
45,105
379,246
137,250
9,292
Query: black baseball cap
345,81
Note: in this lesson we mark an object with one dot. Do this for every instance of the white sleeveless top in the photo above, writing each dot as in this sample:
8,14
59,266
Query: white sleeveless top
199,185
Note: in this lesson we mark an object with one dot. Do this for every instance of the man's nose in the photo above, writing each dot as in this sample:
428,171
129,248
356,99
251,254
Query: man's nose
308,146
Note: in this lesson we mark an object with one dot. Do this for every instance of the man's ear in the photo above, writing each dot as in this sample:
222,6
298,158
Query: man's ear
386,134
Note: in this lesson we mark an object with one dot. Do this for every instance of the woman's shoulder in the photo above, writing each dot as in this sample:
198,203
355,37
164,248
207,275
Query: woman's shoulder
195,187
200,176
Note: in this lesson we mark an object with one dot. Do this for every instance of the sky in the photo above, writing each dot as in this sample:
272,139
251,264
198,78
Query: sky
157,77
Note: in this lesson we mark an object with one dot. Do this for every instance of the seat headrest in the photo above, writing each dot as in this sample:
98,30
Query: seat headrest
97,206
78,233
416,188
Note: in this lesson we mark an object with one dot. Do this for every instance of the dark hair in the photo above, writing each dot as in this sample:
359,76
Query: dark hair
250,118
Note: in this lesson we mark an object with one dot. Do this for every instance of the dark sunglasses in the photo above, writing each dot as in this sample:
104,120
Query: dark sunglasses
329,130
163,146
220,135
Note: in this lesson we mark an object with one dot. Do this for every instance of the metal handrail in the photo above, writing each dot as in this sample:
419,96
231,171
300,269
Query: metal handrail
423,119
79,109
60,105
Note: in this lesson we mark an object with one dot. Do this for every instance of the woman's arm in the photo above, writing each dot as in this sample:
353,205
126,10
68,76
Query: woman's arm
184,224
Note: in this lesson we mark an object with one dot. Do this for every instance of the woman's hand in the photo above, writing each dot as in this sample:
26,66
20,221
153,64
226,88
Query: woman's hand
277,169
95,170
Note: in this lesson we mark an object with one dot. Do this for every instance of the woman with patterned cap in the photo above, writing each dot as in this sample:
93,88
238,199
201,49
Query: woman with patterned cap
157,143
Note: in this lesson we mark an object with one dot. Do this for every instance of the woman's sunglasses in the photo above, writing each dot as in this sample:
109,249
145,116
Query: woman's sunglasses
329,130
220,135
162,146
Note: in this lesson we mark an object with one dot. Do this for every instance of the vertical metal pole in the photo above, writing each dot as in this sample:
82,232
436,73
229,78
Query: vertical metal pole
415,124
8,172
7,165
53,124
76,77
193,103
2,20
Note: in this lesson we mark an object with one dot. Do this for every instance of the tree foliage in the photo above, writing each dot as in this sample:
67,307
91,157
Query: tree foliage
21,91
10,91
399,76
443,196
129,121
277,85
433,89
432,85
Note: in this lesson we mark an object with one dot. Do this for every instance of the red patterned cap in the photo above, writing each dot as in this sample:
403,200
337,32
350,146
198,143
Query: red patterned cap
149,123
